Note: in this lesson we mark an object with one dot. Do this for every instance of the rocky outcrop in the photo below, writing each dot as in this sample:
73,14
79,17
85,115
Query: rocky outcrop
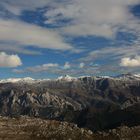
25,128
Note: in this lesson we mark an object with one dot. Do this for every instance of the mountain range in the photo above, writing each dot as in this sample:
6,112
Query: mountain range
96,103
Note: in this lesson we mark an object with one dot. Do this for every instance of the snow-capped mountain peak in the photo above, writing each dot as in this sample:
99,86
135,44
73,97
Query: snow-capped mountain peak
129,76
66,78
15,80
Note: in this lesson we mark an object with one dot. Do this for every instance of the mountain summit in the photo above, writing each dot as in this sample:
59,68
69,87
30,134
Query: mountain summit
66,78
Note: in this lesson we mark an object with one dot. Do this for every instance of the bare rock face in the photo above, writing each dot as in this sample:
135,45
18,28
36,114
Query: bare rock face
87,101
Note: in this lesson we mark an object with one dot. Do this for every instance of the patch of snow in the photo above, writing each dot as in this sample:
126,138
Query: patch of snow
66,78
16,80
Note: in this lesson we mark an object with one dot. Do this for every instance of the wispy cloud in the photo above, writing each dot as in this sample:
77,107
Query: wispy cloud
17,7
42,68
93,17
10,47
86,17
39,68
115,59
54,68
112,53
24,34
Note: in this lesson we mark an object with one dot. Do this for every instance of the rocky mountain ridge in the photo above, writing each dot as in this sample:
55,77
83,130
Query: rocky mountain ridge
69,78
83,100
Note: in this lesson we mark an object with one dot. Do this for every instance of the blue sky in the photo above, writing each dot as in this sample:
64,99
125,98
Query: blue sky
49,38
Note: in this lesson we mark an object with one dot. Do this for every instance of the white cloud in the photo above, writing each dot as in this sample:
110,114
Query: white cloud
82,65
130,62
17,6
89,17
94,17
116,59
14,48
24,34
54,68
18,71
112,53
9,60
67,65
41,68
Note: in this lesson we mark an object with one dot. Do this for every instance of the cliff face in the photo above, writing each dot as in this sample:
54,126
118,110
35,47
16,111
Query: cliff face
88,101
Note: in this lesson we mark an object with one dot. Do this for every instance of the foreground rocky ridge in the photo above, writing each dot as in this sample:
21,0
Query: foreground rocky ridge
87,101
25,128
